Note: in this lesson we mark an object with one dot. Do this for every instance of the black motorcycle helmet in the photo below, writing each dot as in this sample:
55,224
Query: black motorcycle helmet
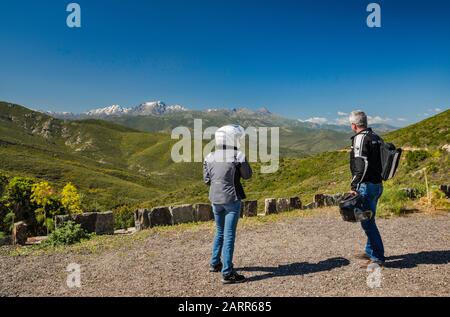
352,208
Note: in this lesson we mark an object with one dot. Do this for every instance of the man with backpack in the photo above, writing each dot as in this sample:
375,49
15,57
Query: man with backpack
367,168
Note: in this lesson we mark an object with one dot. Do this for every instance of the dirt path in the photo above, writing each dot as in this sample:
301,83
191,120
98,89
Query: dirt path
293,256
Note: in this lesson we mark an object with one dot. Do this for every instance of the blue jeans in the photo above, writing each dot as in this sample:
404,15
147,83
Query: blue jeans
226,217
374,247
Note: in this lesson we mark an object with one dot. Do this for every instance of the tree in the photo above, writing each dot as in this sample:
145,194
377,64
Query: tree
42,194
70,199
18,198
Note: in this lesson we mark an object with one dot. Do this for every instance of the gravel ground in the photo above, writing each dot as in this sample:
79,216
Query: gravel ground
293,256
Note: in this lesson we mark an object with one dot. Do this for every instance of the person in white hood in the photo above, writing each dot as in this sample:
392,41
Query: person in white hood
222,171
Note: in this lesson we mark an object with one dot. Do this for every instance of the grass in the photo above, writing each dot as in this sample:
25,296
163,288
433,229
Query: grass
430,133
393,201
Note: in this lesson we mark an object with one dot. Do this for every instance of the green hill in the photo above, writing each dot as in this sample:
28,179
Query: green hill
112,164
431,133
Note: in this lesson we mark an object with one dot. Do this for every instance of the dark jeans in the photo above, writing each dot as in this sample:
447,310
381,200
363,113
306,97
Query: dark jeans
226,217
374,247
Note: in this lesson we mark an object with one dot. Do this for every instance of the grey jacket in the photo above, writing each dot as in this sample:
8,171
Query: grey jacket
222,171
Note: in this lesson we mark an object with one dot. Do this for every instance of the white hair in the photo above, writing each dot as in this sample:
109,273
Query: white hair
359,118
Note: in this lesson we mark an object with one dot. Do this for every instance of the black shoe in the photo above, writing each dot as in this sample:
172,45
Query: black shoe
233,278
215,268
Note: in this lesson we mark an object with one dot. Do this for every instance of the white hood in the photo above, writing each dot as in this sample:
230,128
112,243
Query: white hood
229,135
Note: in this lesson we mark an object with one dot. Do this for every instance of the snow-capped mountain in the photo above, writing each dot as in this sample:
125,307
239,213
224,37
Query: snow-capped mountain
147,108
155,108
108,111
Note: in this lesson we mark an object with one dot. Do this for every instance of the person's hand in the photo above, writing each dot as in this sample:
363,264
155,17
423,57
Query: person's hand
354,193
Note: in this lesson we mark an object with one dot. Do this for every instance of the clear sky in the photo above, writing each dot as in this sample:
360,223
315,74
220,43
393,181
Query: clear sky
301,59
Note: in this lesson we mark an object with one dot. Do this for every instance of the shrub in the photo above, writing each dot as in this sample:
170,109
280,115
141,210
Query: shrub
70,199
123,217
43,195
4,210
17,199
413,158
69,233
439,199
3,183
393,201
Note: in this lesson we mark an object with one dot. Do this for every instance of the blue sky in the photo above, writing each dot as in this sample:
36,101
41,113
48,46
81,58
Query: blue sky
301,59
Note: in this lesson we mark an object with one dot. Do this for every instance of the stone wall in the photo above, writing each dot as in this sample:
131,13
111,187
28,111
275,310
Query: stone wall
411,193
249,208
20,233
173,215
274,206
145,218
203,212
101,223
446,190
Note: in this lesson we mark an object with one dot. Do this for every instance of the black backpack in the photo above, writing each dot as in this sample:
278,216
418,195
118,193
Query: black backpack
390,158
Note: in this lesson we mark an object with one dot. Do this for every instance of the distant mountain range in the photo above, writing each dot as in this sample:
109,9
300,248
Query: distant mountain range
378,127
157,109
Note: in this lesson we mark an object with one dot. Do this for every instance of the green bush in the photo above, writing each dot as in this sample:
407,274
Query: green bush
69,233
123,217
439,199
3,183
17,199
392,202
413,158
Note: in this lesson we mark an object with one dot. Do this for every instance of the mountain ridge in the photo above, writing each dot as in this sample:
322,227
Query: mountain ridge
159,109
